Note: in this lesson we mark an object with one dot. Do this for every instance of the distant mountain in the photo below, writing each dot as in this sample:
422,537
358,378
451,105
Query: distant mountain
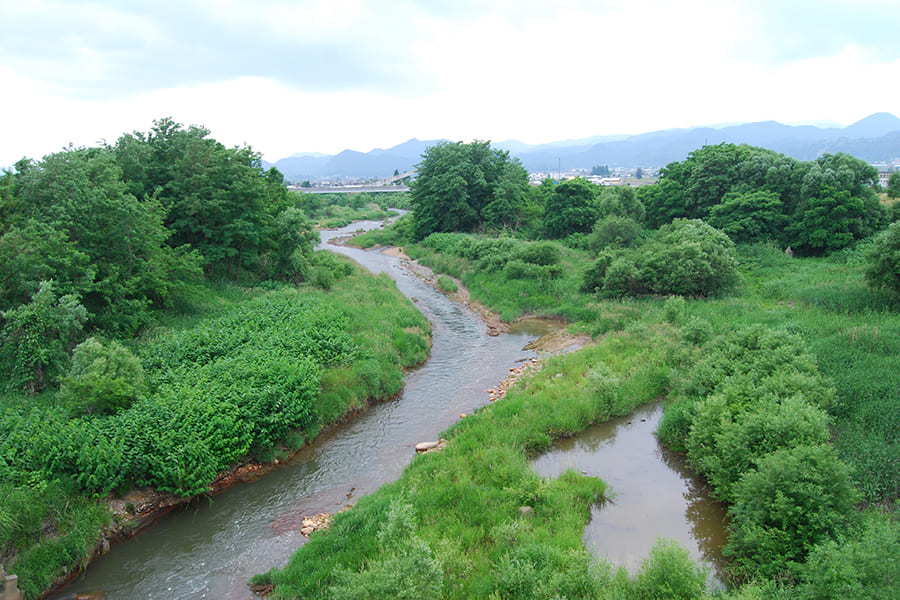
350,163
875,138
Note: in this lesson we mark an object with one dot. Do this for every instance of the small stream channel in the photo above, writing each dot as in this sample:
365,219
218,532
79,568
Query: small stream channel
211,548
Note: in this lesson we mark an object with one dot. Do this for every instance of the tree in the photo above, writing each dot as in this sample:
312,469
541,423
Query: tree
296,239
639,174
38,336
600,171
80,193
795,499
883,260
571,208
688,258
893,187
830,221
749,217
461,187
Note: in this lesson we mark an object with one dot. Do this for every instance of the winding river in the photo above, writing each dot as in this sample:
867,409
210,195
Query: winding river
211,548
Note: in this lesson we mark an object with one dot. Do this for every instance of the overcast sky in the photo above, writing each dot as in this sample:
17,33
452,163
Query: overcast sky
304,76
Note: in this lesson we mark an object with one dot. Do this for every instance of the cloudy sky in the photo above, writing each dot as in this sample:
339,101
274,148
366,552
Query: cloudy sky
324,75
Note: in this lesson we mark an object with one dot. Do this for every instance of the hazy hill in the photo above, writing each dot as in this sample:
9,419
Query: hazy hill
875,138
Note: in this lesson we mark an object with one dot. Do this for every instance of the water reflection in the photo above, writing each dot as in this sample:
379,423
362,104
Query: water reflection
655,495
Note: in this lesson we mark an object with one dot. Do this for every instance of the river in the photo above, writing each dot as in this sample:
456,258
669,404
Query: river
211,548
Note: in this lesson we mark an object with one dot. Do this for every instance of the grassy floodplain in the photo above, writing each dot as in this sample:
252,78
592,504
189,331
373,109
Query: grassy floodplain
235,374
841,342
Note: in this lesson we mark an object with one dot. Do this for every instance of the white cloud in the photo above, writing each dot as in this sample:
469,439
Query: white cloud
529,70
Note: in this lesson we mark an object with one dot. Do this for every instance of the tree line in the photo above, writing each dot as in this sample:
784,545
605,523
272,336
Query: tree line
673,237
95,239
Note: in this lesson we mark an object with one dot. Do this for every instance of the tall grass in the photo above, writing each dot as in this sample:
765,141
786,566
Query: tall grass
467,497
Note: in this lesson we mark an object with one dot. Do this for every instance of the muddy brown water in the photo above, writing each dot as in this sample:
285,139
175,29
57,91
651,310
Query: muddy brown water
655,495
211,548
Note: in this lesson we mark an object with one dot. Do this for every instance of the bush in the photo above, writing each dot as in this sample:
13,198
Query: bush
688,258
614,231
883,260
866,566
105,377
797,498
540,253
669,574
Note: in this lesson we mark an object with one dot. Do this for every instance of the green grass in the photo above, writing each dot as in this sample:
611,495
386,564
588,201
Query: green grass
467,498
465,508
229,346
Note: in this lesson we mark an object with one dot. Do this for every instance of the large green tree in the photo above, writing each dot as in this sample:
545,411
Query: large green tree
74,204
571,208
463,187
218,200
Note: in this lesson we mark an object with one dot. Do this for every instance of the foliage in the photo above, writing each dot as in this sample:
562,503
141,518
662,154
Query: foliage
571,208
883,260
831,221
893,187
81,195
669,573
755,194
409,570
105,377
38,336
797,498
756,216
863,564
461,187
614,231
687,258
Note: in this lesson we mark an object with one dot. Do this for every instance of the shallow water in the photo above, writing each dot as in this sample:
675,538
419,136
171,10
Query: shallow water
212,548
654,493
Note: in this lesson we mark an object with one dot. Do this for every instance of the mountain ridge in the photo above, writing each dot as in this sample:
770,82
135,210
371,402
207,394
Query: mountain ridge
873,138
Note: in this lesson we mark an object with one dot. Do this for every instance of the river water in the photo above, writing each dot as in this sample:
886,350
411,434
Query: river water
211,548
655,495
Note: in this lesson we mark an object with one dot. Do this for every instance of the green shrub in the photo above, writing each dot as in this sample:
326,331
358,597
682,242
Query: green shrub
447,284
105,377
861,566
883,260
614,231
688,258
409,571
668,573
540,253
797,498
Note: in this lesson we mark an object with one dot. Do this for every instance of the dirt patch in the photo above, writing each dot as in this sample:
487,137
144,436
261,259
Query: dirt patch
560,341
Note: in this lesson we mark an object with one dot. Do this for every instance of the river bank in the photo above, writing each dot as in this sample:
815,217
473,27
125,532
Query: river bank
219,542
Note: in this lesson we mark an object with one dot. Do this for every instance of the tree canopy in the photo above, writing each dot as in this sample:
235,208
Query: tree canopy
464,187
101,236
759,195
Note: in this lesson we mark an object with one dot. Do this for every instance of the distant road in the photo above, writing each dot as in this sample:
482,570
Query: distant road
350,189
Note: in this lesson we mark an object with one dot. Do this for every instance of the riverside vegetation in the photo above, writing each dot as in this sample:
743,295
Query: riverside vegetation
779,373
164,318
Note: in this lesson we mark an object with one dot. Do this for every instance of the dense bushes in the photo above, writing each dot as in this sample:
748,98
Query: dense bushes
751,418
687,257
883,258
514,258
757,195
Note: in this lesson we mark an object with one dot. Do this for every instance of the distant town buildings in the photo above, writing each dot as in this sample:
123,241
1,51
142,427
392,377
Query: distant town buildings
617,176
885,169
